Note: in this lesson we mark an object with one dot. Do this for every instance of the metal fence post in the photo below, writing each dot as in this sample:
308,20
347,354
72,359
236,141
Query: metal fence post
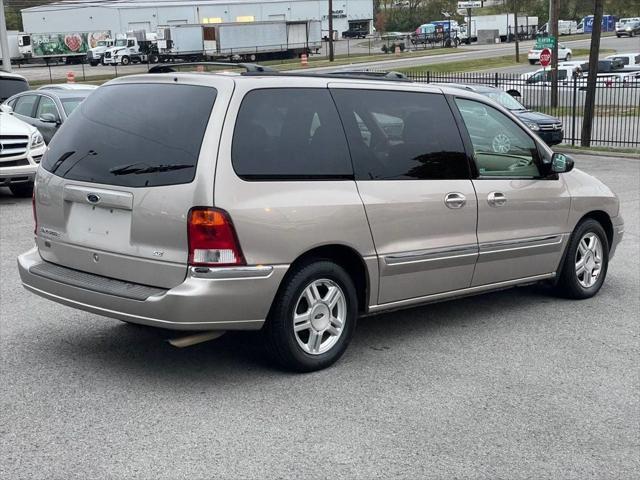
84,79
496,80
573,110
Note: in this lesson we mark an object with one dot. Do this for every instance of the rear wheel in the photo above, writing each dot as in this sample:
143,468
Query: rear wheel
586,261
22,190
532,62
313,317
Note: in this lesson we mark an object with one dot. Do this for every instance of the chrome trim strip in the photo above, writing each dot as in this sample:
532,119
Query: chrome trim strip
231,273
457,293
521,242
431,254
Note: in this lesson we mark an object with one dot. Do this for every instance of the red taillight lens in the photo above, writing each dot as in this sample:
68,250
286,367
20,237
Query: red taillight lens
33,207
212,239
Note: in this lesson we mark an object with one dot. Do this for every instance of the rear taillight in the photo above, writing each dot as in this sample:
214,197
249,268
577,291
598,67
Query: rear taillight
212,239
33,207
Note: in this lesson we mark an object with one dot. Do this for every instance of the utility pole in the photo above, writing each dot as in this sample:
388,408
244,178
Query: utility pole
515,20
331,31
554,11
4,42
590,100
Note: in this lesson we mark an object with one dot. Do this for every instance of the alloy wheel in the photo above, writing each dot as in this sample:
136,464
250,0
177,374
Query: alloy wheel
589,257
319,316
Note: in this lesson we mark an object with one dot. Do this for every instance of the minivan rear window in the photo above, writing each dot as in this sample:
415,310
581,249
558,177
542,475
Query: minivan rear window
133,135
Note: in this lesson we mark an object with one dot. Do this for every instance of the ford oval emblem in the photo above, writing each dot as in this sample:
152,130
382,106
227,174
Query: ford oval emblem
93,198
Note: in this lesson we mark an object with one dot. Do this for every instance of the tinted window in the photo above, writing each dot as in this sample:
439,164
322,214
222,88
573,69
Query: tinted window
47,105
11,86
501,147
25,105
133,135
401,135
289,133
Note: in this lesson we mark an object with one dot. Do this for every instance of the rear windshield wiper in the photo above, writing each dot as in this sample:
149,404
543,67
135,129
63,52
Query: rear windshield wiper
135,168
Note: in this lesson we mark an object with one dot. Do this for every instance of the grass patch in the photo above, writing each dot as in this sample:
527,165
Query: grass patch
480,64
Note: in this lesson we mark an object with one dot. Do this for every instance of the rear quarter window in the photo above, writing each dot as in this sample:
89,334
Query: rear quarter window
133,135
289,134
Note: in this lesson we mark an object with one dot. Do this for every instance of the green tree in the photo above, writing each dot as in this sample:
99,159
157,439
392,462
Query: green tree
14,19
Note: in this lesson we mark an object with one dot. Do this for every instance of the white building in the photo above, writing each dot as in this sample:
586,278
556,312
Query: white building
121,16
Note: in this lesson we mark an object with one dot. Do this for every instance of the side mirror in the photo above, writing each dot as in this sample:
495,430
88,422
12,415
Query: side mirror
6,109
561,163
49,118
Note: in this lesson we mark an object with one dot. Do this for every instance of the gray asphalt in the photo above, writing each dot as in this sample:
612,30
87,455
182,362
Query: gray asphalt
510,385
356,47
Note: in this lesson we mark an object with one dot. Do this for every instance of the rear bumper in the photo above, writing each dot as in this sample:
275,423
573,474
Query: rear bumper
216,299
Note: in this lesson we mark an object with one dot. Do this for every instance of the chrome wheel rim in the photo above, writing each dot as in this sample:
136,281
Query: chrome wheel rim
589,260
501,143
319,316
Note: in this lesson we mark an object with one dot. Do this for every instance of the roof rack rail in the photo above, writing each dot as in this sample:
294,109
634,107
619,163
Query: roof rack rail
171,68
369,74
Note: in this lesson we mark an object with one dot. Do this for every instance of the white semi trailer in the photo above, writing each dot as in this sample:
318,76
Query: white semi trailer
251,40
503,23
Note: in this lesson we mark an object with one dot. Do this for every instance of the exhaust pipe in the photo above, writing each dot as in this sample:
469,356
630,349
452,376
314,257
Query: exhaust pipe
189,340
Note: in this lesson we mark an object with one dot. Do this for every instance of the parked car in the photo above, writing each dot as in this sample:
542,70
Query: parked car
356,33
292,203
46,110
628,29
21,148
564,53
10,84
548,128
68,86
629,61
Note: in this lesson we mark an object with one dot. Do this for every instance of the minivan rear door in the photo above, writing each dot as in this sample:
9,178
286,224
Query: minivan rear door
413,177
121,174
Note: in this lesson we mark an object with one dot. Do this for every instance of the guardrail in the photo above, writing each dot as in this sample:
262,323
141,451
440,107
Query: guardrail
616,121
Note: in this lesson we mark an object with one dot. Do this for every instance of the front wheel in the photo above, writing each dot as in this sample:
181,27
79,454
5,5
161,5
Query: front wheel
586,261
313,317
125,61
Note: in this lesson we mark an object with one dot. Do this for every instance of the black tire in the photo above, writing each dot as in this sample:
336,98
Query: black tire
22,190
568,284
281,342
125,60
532,62
94,63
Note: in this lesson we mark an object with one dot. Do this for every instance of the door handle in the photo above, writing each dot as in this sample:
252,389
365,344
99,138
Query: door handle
455,200
496,199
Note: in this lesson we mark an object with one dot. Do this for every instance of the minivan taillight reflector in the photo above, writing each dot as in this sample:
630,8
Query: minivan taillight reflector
212,239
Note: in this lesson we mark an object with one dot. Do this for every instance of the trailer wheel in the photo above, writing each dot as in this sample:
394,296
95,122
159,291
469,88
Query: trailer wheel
94,63
153,59
125,60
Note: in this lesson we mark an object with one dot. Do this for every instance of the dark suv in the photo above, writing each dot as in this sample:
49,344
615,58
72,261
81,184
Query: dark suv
548,128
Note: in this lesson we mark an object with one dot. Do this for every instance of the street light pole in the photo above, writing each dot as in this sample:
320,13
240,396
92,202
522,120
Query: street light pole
4,42
331,31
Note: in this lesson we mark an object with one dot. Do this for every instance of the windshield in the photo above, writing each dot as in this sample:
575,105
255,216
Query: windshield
506,100
103,43
121,43
70,104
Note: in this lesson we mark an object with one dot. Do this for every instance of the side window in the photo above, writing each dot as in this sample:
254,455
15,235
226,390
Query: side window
131,43
289,133
25,105
47,105
401,135
501,147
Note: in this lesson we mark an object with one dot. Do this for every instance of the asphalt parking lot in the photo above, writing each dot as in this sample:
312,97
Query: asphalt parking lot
516,384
